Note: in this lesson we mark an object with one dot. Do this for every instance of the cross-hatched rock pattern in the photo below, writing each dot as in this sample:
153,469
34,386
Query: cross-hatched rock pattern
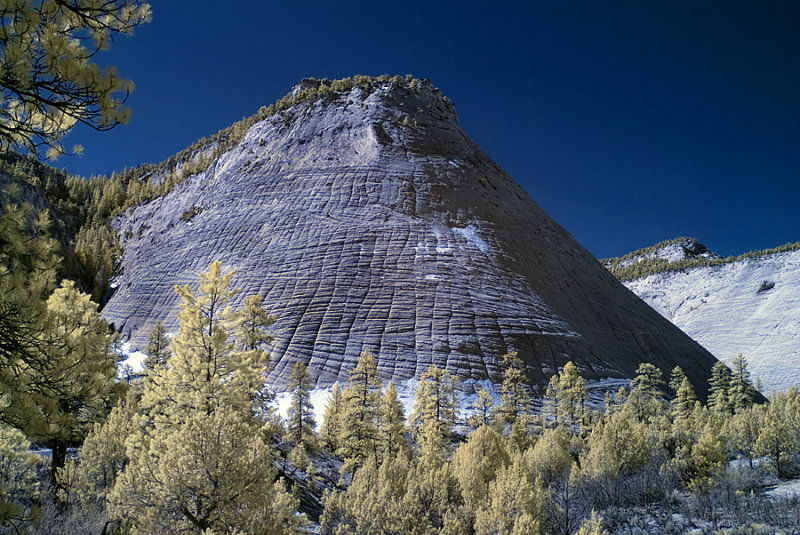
370,220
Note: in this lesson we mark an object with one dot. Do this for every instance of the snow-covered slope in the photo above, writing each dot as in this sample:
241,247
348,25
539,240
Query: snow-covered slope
751,306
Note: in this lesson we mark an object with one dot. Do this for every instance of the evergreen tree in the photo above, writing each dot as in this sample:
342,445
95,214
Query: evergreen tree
434,411
742,431
515,398
76,383
777,437
592,526
476,462
253,322
481,409
391,425
19,481
645,399
676,379
359,418
571,396
28,263
550,456
331,423
685,400
301,412
214,473
618,445
741,391
157,348
199,459
49,82
101,459
432,502
516,503
719,391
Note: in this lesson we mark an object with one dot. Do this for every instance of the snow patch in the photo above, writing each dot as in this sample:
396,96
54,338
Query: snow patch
470,233
786,489
133,361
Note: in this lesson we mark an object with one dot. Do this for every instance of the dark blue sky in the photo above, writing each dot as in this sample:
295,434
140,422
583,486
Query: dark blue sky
628,122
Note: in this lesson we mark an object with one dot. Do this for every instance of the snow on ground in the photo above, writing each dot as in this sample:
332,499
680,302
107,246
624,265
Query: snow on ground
133,361
729,310
407,389
785,489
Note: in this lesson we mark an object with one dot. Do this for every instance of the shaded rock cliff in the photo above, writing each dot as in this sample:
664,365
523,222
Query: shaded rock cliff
369,219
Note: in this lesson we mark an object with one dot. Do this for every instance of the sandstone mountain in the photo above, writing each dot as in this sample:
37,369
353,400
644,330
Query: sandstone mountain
748,305
367,218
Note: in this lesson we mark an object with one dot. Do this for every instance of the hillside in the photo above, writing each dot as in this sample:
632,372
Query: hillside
368,219
749,304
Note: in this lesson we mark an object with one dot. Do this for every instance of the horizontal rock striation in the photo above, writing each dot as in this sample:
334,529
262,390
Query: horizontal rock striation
368,219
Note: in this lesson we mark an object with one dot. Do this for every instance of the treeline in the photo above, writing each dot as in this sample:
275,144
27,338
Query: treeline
638,265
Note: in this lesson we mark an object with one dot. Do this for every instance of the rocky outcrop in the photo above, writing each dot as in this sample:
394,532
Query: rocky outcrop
369,219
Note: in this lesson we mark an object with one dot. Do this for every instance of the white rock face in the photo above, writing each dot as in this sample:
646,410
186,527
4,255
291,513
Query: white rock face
750,307
373,221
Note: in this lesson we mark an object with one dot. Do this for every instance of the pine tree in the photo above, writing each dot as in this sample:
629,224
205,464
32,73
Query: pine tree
213,473
434,411
102,457
515,399
550,457
617,445
19,481
676,379
742,431
253,321
199,459
775,438
719,391
516,503
207,368
300,418
76,385
157,348
359,419
685,400
432,502
571,396
741,391
476,462
645,399
50,82
331,423
706,460
391,425
592,526
481,409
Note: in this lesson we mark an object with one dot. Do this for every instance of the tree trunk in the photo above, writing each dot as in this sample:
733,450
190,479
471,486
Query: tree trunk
58,460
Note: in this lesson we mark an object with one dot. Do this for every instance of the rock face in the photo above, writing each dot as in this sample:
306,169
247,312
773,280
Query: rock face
368,219
750,306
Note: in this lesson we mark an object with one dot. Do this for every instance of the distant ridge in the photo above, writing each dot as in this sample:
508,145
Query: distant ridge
677,254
